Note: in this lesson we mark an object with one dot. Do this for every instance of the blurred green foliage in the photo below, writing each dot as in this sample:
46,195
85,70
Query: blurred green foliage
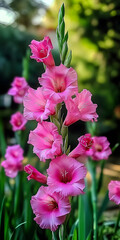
13,46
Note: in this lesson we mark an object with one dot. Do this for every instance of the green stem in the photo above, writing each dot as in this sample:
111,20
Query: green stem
92,169
94,204
18,194
81,217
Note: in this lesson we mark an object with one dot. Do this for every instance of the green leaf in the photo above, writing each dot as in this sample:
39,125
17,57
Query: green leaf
19,225
57,123
117,223
61,230
65,37
68,150
66,143
89,237
88,209
1,210
6,221
59,40
64,131
64,52
57,33
73,228
81,216
68,59
63,9
115,147
54,236
62,29
74,234
100,180
61,14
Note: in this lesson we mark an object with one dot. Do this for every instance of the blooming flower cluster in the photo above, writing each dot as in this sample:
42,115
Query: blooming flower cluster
66,171
14,154
13,163
65,175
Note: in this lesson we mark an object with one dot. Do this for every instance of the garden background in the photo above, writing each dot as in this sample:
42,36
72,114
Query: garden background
94,38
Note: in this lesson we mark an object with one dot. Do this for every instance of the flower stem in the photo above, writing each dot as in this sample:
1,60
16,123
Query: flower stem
81,217
92,169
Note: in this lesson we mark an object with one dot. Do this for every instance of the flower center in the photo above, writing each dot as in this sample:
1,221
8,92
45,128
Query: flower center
59,84
49,139
43,53
98,147
19,122
65,177
81,106
51,203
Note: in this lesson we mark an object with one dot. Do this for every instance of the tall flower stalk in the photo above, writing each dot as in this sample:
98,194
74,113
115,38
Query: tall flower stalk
66,171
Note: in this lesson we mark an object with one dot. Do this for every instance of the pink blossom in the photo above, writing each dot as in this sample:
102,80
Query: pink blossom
46,141
114,191
42,51
50,208
37,106
18,89
84,148
13,162
18,121
34,174
59,82
100,148
66,175
80,108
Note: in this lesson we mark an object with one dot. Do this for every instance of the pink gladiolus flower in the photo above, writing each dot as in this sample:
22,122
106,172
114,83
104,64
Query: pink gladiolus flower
50,208
46,141
66,175
114,191
34,174
18,89
59,82
42,51
13,162
84,148
100,148
80,108
18,121
37,106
